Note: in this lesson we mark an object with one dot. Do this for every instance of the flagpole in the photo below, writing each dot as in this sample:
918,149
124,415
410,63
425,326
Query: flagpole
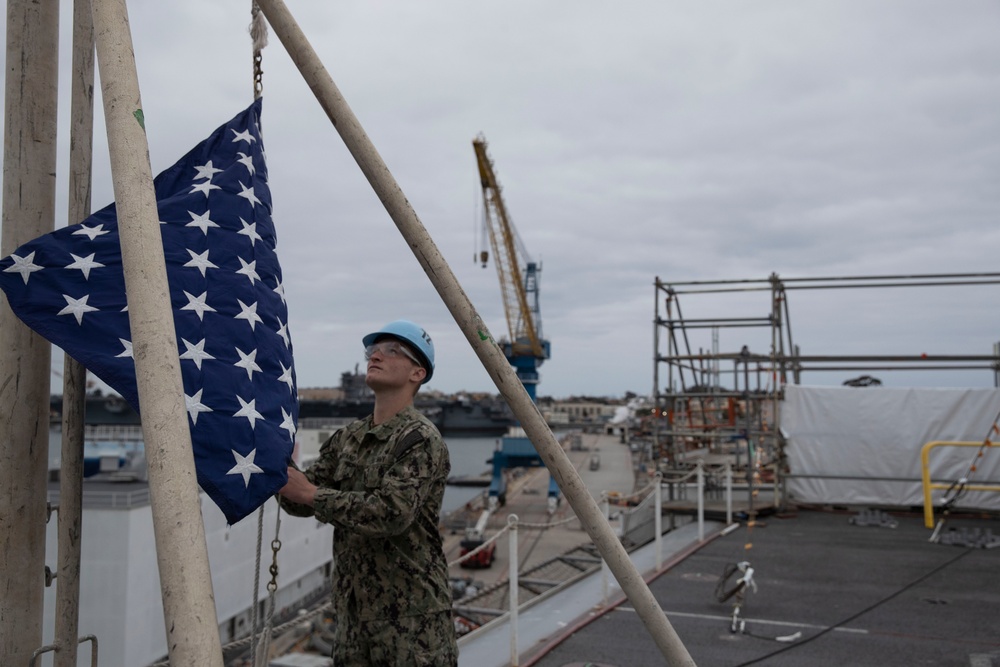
189,612
74,395
475,330
29,185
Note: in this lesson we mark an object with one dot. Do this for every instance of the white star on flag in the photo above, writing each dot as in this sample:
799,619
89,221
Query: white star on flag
76,307
91,232
195,406
127,352
84,264
24,266
245,466
195,352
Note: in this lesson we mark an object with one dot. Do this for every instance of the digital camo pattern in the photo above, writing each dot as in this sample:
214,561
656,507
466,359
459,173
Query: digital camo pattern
389,561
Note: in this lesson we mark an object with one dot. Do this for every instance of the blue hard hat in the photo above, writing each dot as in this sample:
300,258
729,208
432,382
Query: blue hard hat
409,333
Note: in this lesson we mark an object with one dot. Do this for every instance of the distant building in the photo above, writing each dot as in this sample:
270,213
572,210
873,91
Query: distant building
321,394
578,411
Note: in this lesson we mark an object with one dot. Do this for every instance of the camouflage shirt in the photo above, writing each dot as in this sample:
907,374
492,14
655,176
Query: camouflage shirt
381,488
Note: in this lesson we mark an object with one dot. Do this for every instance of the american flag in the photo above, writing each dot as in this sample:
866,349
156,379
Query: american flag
228,306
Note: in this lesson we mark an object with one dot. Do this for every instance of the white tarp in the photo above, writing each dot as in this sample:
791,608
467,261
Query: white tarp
874,433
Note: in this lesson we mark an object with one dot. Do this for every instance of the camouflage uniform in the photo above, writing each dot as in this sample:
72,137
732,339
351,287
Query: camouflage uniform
381,488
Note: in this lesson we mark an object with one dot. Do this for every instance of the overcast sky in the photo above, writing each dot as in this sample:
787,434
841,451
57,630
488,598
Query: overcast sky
633,140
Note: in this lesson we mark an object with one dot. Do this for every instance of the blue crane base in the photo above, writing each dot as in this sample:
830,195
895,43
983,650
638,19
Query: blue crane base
515,452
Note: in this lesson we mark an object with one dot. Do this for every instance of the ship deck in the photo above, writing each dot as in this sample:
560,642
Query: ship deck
835,586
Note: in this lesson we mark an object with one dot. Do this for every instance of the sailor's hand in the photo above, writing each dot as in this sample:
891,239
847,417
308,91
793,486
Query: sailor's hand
299,489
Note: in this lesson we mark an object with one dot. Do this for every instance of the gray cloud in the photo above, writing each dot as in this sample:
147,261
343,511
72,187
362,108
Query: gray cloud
686,141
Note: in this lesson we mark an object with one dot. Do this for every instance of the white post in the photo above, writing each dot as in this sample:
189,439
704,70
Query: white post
512,580
701,500
475,330
606,502
185,579
658,520
81,142
29,193
729,493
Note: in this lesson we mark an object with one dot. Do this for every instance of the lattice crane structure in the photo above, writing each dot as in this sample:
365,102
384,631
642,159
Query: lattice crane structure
525,347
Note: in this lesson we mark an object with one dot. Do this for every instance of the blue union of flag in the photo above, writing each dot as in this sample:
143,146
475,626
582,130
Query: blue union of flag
228,306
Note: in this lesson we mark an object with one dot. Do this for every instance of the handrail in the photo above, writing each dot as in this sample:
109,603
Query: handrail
926,475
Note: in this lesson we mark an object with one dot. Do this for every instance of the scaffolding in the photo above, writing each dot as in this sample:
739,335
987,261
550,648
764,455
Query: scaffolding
715,404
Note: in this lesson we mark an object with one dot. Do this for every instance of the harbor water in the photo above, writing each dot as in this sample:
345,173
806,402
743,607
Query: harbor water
469,458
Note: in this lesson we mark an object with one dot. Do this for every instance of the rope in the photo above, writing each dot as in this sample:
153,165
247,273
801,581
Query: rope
258,34
272,588
480,547
546,526
673,480
256,586
279,629
506,528
959,487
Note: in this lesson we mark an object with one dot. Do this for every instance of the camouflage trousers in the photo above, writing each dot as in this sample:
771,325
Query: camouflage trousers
411,641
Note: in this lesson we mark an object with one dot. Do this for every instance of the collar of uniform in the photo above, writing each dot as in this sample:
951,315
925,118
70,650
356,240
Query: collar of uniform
406,414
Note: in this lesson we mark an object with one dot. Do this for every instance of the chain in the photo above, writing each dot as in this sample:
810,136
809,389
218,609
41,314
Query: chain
272,585
258,73
258,33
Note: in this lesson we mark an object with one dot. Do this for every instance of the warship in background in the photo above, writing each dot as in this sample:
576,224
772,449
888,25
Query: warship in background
459,415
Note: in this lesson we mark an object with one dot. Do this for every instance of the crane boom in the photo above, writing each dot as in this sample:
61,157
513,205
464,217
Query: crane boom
516,286
526,349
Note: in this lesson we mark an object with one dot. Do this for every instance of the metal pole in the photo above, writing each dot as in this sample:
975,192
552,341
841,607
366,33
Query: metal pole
475,330
701,500
656,365
658,518
512,580
606,502
81,142
729,493
29,182
185,579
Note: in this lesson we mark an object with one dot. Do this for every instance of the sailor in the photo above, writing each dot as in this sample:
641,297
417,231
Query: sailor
380,481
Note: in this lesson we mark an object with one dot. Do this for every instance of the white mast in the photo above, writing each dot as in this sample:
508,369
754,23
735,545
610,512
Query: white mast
29,184
182,554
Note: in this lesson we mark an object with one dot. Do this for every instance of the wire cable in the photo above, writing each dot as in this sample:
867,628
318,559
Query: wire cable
860,613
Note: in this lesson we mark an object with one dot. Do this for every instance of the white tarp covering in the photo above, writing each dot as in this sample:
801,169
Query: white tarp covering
878,432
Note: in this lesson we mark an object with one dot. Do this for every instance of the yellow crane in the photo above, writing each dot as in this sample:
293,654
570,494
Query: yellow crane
519,277
526,349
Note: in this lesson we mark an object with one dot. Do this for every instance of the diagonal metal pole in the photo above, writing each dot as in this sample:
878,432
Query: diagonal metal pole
475,330
190,617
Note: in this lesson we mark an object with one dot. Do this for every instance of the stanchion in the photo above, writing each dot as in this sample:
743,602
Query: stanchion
701,500
512,578
658,518
606,503
729,494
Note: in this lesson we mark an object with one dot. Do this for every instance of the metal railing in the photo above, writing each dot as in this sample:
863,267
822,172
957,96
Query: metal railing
93,499
959,486
651,504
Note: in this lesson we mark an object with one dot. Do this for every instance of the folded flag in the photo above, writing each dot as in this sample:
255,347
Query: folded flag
228,305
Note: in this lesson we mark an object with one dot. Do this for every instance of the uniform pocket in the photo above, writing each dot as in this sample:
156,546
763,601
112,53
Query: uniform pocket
345,476
374,474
